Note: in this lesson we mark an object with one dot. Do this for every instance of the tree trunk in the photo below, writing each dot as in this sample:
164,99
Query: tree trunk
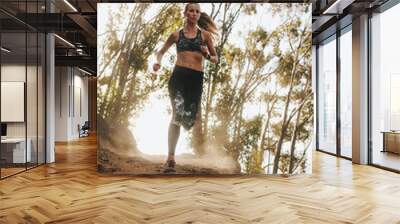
296,129
293,140
228,19
286,121
284,127
236,138
260,146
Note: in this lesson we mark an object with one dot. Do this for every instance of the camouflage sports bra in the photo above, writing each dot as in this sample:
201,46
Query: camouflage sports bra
189,44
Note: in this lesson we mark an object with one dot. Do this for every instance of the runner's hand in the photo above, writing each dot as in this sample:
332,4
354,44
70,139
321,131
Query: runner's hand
204,49
156,67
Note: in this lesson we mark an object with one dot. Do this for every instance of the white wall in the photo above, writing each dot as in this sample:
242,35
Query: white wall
16,73
61,103
80,109
71,102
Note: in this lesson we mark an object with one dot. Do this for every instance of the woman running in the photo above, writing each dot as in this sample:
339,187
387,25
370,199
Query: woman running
194,42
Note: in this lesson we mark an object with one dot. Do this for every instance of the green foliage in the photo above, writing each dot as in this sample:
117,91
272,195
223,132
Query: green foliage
248,141
250,9
241,71
123,83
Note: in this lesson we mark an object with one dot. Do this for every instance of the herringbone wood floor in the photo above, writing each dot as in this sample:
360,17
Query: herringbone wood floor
71,191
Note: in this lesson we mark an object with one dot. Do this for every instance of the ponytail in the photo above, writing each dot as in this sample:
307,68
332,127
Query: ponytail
206,22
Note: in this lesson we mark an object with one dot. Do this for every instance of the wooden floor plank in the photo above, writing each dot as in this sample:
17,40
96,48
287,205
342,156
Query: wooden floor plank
71,191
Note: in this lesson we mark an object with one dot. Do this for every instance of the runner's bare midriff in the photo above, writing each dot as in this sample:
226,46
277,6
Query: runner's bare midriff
192,60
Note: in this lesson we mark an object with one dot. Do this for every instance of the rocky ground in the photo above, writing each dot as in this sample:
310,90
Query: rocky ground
111,162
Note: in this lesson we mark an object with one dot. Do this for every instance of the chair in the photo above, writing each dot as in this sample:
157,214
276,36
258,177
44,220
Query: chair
84,130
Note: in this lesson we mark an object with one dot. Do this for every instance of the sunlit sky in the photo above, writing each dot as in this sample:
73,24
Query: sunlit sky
150,128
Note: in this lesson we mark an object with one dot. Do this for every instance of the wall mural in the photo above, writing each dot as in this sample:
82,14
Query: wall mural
216,88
